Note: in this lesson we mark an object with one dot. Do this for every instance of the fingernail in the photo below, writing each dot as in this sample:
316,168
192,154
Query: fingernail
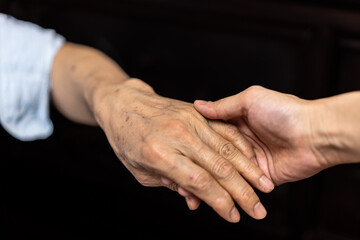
235,215
266,184
259,211
201,102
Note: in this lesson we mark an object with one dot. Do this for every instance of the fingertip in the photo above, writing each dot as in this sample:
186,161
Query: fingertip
192,202
259,211
200,102
205,108
266,184
225,108
201,105
234,215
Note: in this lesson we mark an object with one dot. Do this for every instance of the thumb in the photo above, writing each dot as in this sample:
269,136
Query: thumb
226,108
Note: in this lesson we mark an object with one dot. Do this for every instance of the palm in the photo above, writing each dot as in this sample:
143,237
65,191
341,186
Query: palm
277,125
279,128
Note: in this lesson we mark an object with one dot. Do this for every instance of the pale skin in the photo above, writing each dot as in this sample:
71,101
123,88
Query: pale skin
293,138
161,141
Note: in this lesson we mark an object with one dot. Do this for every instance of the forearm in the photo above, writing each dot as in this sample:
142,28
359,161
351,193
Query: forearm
338,128
77,74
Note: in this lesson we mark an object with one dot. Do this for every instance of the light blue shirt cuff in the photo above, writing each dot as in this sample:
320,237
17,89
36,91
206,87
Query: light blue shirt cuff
27,52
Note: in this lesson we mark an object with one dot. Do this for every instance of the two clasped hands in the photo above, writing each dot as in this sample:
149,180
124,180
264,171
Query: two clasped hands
216,152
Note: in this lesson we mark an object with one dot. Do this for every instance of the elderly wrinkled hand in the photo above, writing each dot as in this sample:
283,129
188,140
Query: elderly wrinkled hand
161,141
164,142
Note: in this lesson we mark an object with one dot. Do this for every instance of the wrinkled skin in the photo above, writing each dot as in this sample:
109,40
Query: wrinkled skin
279,126
166,142
163,142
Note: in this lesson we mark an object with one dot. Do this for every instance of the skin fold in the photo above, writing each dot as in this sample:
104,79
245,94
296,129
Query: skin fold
293,138
161,141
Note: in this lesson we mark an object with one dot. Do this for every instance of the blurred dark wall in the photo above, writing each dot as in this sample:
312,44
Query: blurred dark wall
71,186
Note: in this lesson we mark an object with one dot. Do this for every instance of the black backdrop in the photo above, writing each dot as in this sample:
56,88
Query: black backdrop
71,186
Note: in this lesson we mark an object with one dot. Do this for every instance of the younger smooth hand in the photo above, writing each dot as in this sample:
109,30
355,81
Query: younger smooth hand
280,126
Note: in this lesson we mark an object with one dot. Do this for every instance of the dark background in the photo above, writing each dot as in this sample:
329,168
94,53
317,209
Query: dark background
71,186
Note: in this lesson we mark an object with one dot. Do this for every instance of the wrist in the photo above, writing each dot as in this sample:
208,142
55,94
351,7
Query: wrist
323,132
108,94
336,130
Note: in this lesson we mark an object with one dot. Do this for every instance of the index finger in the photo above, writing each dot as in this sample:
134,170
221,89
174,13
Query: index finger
228,141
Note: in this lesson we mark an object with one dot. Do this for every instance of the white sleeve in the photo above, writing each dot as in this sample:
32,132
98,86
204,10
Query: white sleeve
26,56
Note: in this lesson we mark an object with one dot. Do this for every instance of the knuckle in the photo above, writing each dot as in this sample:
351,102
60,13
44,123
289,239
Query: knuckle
221,203
254,88
178,128
246,146
232,130
153,150
192,114
191,111
248,168
227,150
200,181
199,147
223,169
253,91
247,195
